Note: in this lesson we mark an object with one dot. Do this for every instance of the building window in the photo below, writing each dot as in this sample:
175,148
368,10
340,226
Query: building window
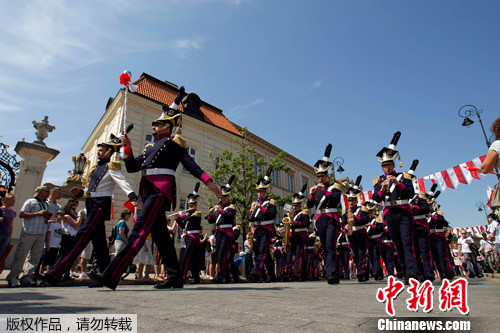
257,169
305,181
276,177
290,183
149,139
182,204
192,152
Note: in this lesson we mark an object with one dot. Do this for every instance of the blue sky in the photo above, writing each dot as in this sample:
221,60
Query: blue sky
299,74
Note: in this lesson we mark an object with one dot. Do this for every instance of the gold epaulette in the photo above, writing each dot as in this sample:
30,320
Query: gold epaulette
306,212
337,186
232,206
180,141
375,180
115,165
197,213
146,147
273,202
440,213
422,196
364,209
407,175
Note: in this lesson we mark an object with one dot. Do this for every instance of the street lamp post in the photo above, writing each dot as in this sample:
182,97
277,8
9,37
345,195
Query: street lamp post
469,110
482,207
337,163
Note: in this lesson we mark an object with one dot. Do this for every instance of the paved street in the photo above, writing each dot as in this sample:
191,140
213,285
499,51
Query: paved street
246,307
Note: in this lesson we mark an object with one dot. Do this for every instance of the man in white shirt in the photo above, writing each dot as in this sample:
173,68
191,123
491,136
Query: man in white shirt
464,243
35,216
494,230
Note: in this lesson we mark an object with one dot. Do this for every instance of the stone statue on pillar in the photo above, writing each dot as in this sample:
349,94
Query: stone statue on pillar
43,128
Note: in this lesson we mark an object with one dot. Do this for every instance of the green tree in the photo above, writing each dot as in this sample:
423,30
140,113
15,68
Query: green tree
243,163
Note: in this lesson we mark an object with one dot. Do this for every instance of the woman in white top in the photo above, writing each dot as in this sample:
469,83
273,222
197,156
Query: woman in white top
492,159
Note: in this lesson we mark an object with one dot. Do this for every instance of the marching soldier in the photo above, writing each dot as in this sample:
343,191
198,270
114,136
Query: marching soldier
235,272
354,223
326,198
298,237
222,216
421,210
388,253
312,257
395,189
262,214
437,237
375,230
157,163
190,222
279,255
103,179
343,253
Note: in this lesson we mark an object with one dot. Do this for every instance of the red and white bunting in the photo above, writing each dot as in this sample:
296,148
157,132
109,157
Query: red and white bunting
489,194
452,177
362,198
475,231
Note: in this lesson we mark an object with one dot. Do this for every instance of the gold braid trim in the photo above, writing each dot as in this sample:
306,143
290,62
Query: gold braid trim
86,180
180,141
115,165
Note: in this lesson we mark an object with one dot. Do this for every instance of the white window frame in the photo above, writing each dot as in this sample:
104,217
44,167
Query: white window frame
190,151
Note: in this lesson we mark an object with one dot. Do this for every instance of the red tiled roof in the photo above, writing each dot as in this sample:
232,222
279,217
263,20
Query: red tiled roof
165,93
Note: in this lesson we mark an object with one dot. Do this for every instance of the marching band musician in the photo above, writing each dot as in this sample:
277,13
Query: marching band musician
103,180
222,216
298,237
388,253
312,257
326,198
279,255
395,189
437,237
343,253
421,210
375,230
233,269
157,163
263,213
190,222
358,237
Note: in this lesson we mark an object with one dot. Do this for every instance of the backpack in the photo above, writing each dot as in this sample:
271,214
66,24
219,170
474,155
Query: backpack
112,237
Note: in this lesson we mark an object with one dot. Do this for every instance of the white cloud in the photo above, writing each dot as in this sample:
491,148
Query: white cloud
45,35
318,83
184,45
9,108
238,111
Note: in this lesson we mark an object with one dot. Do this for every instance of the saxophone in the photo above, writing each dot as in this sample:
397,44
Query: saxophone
286,231
250,240
350,221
